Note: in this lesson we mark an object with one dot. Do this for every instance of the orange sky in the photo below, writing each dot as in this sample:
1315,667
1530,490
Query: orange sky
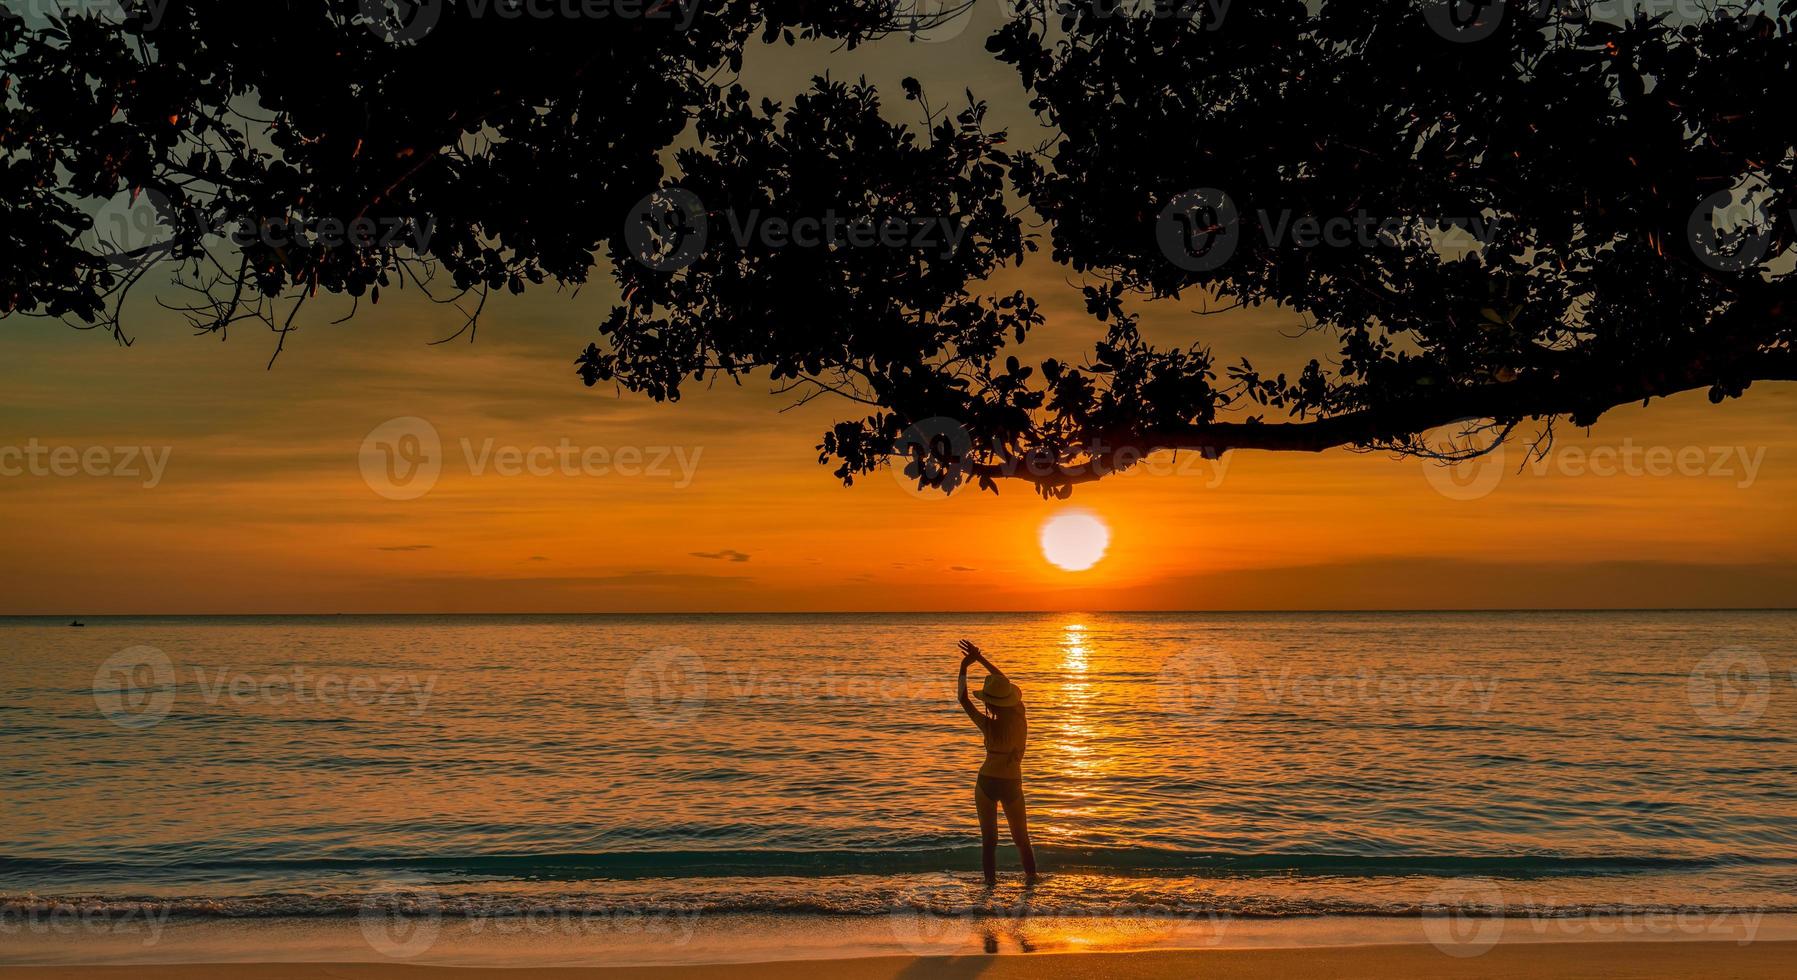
264,507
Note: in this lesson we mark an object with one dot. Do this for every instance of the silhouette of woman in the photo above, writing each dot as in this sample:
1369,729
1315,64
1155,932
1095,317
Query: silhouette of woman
1006,730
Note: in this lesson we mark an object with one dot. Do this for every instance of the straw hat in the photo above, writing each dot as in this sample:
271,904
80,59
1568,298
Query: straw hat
999,693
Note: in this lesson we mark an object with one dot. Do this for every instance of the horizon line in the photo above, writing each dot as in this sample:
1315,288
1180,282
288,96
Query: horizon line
910,612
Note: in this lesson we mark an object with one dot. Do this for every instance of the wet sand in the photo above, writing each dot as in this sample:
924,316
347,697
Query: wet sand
1644,960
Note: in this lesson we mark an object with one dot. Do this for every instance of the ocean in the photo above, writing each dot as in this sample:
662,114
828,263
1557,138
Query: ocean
1197,768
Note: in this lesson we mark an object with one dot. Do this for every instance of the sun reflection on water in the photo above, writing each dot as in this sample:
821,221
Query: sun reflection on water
1074,736
1073,647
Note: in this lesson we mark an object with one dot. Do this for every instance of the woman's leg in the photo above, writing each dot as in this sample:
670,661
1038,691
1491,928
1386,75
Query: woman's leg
987,808
1019,820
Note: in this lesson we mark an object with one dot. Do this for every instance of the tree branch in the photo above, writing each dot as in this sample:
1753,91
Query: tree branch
1583,394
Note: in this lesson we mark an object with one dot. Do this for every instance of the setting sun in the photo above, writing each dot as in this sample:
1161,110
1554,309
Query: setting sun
1074,540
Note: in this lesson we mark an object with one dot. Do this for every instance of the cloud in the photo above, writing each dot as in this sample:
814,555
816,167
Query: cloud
406,547
961,568
538,558
726,554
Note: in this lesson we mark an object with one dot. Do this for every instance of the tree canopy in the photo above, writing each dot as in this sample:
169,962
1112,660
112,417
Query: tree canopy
1498,216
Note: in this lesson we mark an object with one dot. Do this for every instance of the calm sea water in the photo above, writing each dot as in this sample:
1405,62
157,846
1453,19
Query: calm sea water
1253,765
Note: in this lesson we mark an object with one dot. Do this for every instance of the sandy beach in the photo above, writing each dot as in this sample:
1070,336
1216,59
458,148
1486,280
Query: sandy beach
1606,959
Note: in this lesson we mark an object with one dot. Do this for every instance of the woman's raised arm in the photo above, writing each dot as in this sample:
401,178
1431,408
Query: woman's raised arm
978,716
972,652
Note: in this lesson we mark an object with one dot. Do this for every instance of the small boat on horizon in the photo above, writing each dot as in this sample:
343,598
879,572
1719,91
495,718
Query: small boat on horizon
76,622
